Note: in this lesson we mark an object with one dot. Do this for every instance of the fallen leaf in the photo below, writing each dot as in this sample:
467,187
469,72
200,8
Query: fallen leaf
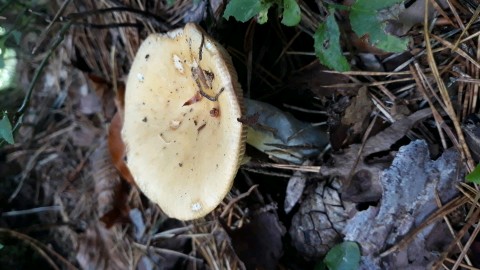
117,148
296,185
105,93
358,112
282,136
110,191
364,185
412,15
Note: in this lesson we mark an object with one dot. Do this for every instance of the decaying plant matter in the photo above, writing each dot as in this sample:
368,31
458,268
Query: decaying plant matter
401,127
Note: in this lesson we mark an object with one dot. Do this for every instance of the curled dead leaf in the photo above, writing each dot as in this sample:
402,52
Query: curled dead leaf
117,148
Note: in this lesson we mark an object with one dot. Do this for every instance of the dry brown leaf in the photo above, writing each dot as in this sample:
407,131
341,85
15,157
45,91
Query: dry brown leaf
357,113
364,185
117,148
110,191
105,94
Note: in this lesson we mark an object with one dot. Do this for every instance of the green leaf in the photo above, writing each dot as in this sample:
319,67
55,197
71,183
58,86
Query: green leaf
344,256
244,10
366,20
327,44
291,13
6,130
474,176
374,4
16,36
263,14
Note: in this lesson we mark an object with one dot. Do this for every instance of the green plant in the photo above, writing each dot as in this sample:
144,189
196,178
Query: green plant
8,64
344,256
23,23
6,132
244,10
327,44
474,176
367,17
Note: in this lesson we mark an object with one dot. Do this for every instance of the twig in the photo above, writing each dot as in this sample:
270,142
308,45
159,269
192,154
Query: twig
168,252
466,248
47,29
36,76
292,167
36,210
142,13
437,215
461,233
444,93
27,170
39,247
235,200
450,228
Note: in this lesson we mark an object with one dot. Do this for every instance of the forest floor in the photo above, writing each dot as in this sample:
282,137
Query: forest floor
372,168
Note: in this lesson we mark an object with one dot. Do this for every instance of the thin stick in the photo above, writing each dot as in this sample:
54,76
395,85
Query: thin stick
36,76
235,200
445,96
49,26
437,215
39,247
450,228
36,210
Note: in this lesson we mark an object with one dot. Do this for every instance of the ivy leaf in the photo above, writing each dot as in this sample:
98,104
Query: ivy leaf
344,256
6,130
291,13
366,20
244,10
474,176
327,44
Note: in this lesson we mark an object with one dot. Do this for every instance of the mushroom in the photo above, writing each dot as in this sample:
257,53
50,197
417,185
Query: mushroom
183,141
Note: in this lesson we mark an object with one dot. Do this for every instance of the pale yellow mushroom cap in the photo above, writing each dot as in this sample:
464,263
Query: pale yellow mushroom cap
183,149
